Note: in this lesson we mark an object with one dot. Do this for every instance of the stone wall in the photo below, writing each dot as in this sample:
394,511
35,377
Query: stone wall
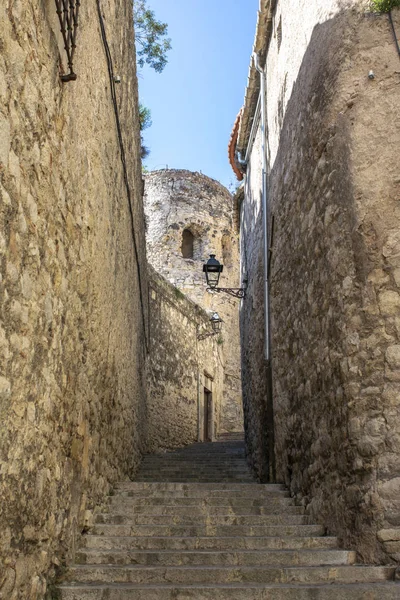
178,200
180,367
72,344
335,304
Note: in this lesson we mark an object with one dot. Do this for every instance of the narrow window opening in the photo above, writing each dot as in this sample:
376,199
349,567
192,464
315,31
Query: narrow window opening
187,244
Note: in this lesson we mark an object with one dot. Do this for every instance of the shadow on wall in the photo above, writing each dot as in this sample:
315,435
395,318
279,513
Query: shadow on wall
334,398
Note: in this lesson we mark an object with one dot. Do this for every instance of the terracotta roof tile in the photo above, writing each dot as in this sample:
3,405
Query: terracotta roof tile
232,147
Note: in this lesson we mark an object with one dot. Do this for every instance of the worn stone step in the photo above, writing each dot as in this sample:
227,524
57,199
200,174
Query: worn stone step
214,487
217,465
208,530
209,490
244,490
194,479
222,476
188,543
196,501
217,558
199,520
215,473
229,463
191,459
382,591
221,496
200,510
237,574
192,470
161,475
207,446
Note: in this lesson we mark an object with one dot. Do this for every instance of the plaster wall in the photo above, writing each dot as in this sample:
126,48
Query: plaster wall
72,342
296,20
333,190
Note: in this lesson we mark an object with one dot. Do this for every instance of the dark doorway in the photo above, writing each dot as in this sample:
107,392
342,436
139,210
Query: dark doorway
207,415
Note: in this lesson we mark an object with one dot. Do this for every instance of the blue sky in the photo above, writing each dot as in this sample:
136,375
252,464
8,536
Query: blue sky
195,100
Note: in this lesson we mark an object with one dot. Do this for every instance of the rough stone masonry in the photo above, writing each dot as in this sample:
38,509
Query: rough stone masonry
333,176
72,342
178,201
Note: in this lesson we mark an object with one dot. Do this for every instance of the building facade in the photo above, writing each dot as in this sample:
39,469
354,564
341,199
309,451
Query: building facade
330,427
188,217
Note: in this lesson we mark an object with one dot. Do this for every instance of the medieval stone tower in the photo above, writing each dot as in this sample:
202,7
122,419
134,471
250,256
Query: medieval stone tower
188,217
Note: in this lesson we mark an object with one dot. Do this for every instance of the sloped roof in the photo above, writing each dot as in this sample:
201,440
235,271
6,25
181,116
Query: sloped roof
232,148
260,47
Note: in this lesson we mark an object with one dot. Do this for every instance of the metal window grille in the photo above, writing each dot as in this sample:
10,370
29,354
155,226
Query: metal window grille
67,11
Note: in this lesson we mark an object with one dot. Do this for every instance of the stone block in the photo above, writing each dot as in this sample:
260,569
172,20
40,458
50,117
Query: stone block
389,302
5,140
393,356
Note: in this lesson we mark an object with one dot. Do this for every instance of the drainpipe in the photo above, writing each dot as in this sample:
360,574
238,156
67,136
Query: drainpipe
264,201
267,321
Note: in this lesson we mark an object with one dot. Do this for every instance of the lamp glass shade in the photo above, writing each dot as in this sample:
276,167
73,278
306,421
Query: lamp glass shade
213,269
216,323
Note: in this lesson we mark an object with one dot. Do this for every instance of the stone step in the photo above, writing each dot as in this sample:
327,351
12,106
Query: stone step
208,530
99,542
226,473
202,510
194,479
217,558
218,446
212,460
233,502
223,453
209,490
238,574
188,543
192,471
215,476
203,487
201,520
216,463
197,493
382,591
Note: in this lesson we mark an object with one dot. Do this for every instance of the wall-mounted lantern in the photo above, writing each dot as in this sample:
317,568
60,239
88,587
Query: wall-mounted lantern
216,323
213,269
216,326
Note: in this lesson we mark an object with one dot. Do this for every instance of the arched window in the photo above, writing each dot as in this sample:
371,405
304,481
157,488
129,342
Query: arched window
187,243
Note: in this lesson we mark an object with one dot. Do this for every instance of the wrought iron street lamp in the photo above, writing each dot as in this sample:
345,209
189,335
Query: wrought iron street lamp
216,322
213,269
216,325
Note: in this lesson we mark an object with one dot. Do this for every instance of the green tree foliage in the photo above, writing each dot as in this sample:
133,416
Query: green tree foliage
144,117
152,43
384,6
144,122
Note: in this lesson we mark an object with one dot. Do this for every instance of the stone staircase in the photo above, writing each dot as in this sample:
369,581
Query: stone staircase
194,525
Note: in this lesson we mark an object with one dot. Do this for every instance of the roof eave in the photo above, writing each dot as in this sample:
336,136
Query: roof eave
260,47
